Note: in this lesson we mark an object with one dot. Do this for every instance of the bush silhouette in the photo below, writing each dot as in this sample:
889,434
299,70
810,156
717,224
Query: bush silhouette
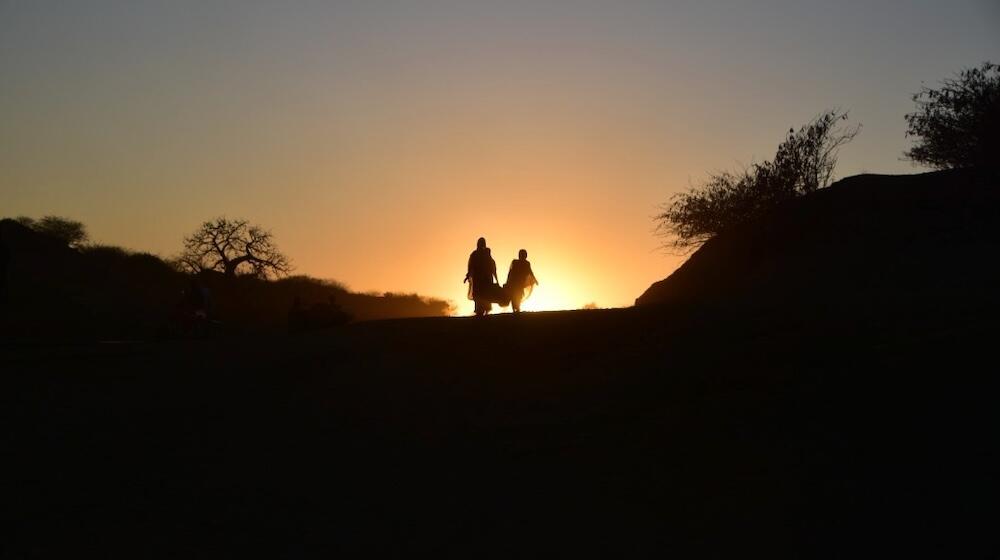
70,232
804,163
958,125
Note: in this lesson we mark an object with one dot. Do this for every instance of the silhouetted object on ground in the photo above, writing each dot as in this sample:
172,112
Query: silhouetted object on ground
958,125
70,232
804,163
482,278
199,299
193,313
520,280
233,247
320,315
927,240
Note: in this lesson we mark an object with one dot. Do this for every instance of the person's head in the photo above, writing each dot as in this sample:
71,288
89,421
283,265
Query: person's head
481,244
522,254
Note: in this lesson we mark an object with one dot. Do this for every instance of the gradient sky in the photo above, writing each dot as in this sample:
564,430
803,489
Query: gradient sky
378,140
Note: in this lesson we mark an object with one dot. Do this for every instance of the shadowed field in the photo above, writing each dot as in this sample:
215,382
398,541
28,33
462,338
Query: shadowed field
619,432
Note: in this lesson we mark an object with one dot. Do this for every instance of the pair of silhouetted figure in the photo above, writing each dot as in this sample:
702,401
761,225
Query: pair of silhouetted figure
484,285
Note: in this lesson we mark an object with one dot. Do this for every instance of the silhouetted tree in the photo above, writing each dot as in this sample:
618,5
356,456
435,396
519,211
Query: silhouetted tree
804,163
71,232
233,247
958,125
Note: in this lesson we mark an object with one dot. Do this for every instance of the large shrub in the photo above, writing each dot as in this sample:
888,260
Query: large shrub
958,124
70,232
804,163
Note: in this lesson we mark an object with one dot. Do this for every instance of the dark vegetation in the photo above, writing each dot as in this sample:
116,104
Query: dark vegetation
924,240
804,163
958,124
771,234
94,291
70,232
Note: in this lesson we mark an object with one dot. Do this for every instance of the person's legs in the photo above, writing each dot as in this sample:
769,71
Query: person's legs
515,302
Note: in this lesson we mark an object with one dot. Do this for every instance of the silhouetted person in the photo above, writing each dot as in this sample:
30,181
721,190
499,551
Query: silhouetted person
481,276
520,280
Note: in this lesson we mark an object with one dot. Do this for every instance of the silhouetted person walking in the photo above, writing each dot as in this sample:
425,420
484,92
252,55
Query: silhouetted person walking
520,280
480,276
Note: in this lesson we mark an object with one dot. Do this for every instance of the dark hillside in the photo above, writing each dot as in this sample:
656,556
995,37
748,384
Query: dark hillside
55,290
108,292
927,239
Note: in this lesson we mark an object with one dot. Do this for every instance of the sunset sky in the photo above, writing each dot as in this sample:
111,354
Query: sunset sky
378,140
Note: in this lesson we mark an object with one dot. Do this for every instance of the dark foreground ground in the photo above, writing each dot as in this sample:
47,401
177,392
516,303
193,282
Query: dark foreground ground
623,433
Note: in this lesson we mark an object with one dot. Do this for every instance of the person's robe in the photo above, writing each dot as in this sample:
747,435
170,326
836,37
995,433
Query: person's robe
482,269
520,280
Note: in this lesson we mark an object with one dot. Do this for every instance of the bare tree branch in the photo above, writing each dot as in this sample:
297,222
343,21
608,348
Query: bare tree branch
233,247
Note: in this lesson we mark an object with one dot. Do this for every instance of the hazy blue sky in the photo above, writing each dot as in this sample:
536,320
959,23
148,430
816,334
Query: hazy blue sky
380,139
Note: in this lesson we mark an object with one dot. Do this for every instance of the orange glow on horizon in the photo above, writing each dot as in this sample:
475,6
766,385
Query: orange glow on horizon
542,299
378,141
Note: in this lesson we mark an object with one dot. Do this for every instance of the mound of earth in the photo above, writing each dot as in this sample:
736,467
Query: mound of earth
919,239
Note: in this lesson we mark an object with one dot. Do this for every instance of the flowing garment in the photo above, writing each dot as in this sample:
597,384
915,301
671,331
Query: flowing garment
520,282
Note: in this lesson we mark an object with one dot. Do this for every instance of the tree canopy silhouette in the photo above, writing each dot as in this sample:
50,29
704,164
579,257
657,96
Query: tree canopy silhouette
804,163
233,247
958,125
71,232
